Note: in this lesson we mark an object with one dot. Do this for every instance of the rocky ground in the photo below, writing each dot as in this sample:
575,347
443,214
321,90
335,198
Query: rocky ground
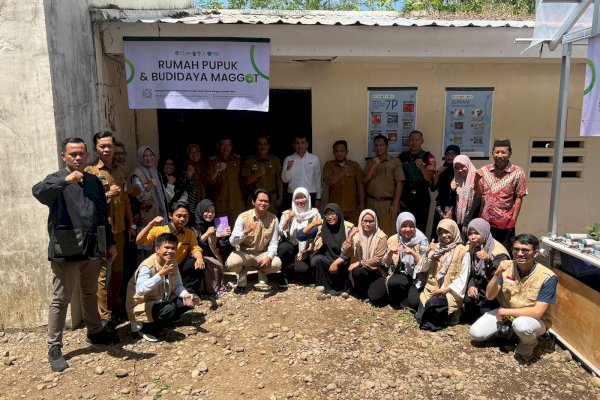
291,345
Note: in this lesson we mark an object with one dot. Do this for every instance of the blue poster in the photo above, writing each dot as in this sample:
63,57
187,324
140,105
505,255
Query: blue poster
468,122
393,114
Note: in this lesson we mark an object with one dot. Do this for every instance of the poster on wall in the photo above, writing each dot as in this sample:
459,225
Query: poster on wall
468,121
197,73
393,114
590,113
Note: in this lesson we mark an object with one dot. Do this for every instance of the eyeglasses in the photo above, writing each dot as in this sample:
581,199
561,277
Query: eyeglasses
330,214
368,221
148,157
170,164
518,250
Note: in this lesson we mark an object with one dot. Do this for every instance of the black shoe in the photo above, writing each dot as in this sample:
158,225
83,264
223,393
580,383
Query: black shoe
333,293
105,336
241,290
56,359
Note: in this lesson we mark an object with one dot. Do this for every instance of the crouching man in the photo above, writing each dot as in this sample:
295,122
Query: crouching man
155,293
525,289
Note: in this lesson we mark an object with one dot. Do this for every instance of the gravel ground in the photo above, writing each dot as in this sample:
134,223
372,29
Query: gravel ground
291,345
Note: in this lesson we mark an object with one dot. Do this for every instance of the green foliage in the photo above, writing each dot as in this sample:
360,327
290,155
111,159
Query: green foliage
495,7
594,230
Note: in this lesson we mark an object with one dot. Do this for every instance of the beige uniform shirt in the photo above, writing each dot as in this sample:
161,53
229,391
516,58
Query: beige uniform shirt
114,175
345,191
226,189
388,173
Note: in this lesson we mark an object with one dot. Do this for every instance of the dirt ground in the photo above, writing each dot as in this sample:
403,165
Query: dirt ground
290,345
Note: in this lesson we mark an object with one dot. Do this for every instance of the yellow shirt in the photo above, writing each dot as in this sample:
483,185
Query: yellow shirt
186,241
114,175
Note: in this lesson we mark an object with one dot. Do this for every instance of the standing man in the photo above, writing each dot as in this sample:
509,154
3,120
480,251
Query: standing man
502,187
263,171
80,236
114,180
345,181
419,167
383,180
255,235
302,169
223,176
525,289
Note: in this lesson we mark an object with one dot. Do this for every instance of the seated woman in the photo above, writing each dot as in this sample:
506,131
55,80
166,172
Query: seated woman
404,251
467,202
212,245
365,247
188,254
446,265
293,252
486,254
330,274
173,188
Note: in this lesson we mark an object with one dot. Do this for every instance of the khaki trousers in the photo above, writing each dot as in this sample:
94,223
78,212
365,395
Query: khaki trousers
108,297
63,283
241,262
382,210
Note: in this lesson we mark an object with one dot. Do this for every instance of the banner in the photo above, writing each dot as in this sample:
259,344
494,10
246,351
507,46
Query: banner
590,114
193,73
468,121
393,114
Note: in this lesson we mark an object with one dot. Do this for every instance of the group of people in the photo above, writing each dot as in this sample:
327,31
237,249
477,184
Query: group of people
149,243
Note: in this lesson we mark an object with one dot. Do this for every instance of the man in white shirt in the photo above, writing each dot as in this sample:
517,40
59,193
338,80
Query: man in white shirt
302,169
255,236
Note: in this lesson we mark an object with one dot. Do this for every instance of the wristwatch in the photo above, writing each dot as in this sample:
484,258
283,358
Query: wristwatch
133,226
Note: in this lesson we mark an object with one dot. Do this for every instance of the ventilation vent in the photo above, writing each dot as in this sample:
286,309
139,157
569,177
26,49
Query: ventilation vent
541,159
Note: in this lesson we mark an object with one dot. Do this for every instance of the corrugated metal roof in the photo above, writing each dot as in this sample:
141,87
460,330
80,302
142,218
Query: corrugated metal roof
268,17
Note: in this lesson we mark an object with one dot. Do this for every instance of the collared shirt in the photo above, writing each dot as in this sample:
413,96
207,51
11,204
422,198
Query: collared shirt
306,173
238,236
345,191
226,189
186,241
272,174
387,174
146,282
115,175
499,190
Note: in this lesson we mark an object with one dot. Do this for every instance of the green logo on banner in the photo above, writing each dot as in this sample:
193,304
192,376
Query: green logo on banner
590,64
258,71
131,71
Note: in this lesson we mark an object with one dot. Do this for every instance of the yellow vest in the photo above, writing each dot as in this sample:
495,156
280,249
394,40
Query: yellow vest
257,241
139,308
524,291
454,301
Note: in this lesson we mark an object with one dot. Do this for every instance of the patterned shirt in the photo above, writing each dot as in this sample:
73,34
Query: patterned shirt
499,190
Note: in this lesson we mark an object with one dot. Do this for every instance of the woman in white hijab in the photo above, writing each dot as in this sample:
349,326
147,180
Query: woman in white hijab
400,287
293,251
365,247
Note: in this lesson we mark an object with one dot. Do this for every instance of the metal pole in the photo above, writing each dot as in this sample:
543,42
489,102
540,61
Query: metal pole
561,127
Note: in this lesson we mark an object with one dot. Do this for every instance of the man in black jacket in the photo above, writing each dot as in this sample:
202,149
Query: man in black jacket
80,236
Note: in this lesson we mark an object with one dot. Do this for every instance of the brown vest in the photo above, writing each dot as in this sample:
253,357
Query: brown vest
257,241
523,292
139,308
454,301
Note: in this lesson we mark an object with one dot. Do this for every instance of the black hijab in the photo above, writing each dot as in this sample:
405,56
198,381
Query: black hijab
333,235
201,224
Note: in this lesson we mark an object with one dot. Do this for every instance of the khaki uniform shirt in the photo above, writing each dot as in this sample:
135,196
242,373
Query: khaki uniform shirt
272,175
226,189
388,173
345,191
114,175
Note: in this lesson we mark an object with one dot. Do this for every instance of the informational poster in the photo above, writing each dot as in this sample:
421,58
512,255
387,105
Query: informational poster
468,122
393,114
197,73
590,113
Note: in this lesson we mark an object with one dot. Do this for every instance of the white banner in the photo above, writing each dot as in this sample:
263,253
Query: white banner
590,114
211,73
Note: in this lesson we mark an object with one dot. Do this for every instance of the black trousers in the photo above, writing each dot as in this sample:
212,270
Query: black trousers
190,276
163,312
417,204
504,236
298,270
400,292
338,281
363,279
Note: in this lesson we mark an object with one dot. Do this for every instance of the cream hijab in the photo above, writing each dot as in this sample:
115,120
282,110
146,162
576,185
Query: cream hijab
366,243
302,217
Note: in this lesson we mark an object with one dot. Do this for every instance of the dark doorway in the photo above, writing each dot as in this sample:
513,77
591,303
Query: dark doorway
289,113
